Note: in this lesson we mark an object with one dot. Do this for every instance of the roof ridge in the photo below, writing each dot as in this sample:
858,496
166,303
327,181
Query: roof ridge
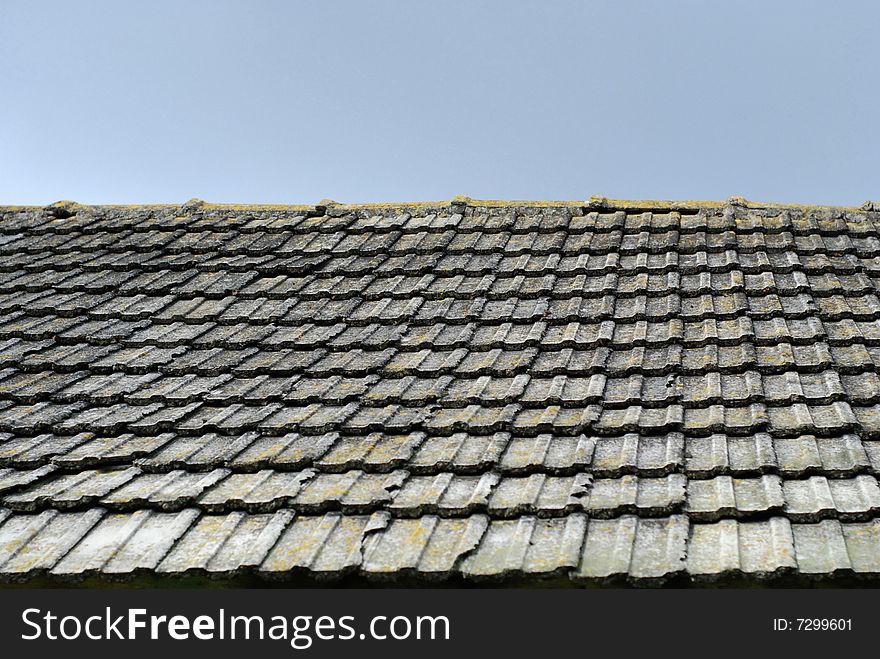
594,202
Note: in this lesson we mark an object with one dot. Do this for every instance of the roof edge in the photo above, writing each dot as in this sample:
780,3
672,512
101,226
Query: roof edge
596,202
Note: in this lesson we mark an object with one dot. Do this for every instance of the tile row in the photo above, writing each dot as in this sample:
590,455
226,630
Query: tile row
157,268
278,418
609,361
418,310
524,219
578,236
283,545
461,453
251,285
450,391
549,336
445,494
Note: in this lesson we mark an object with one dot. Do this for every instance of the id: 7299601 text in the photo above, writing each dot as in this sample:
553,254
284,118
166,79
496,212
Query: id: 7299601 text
812,624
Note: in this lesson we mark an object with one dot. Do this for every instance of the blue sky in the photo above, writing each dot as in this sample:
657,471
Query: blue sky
290,102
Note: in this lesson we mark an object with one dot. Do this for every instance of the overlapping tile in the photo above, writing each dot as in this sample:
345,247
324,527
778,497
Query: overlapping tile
586,392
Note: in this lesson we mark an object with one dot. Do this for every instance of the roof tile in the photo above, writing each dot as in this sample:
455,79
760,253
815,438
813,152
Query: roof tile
761,549
494,391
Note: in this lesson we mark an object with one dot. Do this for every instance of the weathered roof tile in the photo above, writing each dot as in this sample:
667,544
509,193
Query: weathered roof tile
125,543
225,544
485,390
428,546
761,549
820,498
167,491
643,550
69,490
35,543
724,497
330,545
527,546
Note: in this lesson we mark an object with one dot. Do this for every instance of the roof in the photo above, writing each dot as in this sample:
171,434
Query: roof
588,392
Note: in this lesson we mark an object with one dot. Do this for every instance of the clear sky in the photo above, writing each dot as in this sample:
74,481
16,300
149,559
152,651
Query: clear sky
400,100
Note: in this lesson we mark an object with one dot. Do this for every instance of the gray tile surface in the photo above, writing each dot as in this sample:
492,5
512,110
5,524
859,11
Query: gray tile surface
581,392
